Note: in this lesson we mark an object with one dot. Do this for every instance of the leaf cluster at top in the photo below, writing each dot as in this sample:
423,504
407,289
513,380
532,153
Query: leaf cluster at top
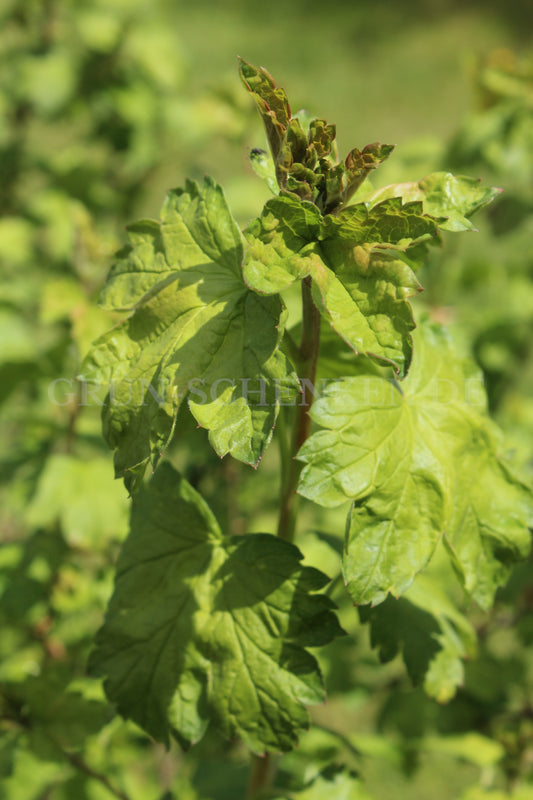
304,162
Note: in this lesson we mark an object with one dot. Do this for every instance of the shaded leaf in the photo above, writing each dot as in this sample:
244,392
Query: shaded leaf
56,717
8,751
202,628
430,633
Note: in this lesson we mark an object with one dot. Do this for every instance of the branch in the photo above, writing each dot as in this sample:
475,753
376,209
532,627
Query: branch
261,774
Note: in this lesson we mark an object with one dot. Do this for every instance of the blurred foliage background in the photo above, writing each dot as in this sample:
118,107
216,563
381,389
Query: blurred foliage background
103,107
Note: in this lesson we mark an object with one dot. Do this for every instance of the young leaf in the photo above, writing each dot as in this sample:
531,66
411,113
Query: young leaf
451,199
417,463
195,328
360,265
272,104
263,166
304,161
201,628
359,164
281,244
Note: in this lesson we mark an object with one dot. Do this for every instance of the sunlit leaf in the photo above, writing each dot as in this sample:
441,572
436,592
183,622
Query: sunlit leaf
451,199
195,330
419,461
359,261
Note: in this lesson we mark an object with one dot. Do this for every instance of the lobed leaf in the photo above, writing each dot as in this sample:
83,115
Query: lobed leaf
432,636
359,261
201,628
195,330
281,244
417,462
452,199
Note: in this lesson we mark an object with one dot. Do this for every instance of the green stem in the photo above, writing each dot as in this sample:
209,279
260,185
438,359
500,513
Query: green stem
283,444
308,357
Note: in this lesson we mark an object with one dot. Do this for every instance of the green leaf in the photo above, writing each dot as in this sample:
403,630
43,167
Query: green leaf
281,244
359,261
418,461
450,198
359,164
272,104
430,633
205,628
263,166
391,222
195,329
487,525
82,497
304,161
335,783
473,747
58,718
